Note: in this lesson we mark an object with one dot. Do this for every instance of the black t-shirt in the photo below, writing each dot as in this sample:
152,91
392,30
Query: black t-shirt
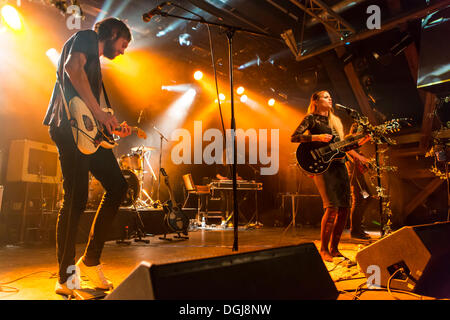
85,41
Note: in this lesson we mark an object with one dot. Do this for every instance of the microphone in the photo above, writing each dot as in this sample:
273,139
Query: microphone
340,106
149,15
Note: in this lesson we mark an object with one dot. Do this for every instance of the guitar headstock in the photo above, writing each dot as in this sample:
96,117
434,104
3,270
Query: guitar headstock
141,133
395,125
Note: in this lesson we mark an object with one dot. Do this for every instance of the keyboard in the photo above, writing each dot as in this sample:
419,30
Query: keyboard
240,185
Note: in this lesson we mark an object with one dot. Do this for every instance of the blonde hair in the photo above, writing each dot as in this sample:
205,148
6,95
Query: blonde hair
334,121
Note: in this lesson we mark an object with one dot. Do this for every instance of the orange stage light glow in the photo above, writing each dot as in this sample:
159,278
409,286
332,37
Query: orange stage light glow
11,17
198,75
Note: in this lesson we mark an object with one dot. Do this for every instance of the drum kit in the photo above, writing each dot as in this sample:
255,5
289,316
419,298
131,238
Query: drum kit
134,170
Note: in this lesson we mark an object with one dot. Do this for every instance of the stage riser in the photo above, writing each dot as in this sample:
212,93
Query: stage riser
153,220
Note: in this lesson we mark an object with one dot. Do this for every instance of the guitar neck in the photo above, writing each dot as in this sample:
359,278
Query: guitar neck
346,142
133,129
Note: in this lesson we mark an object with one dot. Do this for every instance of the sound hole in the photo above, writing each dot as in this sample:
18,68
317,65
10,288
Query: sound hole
88,124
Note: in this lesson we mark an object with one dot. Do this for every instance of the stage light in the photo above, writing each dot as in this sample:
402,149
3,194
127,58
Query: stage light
53,55
185,39
11,17
240,90
271,102
178,110
177,87
221,96
244,98
198,75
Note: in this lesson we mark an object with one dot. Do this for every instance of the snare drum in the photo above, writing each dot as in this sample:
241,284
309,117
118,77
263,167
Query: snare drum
131,161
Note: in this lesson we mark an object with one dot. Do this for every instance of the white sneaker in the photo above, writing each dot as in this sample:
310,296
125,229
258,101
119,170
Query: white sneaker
66,288
95,275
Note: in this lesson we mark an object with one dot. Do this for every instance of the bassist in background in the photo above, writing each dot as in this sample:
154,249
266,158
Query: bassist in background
334,184
359,189
80,73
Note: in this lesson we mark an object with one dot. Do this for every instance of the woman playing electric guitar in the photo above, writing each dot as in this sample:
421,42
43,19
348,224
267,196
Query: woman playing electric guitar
333,184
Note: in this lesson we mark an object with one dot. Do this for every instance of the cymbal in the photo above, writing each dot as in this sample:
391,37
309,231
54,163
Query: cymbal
142,148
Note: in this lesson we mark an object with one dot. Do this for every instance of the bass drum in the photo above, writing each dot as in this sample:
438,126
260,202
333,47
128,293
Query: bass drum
96,190
134,188
95,194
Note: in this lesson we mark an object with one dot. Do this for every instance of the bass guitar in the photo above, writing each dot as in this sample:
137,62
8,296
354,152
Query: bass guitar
175,219
88,133
316,157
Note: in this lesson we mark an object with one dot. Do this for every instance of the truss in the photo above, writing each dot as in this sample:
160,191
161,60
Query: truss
330,19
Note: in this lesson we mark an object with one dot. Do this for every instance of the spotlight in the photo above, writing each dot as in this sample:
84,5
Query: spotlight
198,75
11,17
244,98
185,39
53,55
271,102
240,90
221,96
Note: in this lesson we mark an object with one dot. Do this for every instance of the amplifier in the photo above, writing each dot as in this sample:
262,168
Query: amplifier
31,161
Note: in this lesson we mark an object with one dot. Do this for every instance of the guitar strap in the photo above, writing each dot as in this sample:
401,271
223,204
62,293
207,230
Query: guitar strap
105,96
63,97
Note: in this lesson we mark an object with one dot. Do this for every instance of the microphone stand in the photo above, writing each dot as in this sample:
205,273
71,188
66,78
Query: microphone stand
230,31
160,161
383,203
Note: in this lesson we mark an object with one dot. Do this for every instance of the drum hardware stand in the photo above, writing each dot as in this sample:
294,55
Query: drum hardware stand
255,216
139,233
139,201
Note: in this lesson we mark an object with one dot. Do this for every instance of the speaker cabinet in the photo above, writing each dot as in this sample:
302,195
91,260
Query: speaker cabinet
285,273
422,251
31,161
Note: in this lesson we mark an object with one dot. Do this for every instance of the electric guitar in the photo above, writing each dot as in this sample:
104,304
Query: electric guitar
88,133
316,157
174,218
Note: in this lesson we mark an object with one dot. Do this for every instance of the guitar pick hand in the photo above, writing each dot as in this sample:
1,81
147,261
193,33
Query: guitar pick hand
108,120
124,131
322,137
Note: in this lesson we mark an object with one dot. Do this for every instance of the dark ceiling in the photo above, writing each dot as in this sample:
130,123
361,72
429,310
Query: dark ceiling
264,62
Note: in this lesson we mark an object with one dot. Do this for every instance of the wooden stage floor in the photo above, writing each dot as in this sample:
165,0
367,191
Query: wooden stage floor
29,273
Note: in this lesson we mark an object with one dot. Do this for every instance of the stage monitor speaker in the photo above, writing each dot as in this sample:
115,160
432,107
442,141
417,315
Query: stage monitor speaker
422,251
284,273
31,161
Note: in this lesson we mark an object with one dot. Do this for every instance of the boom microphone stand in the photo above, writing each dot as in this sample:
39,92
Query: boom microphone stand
160,160
230,31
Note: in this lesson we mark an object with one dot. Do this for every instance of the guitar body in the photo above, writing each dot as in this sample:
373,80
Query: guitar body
175,218
86,130
315,157
88,133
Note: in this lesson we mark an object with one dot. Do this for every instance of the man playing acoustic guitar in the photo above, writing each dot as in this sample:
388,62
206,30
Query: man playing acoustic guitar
79,75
